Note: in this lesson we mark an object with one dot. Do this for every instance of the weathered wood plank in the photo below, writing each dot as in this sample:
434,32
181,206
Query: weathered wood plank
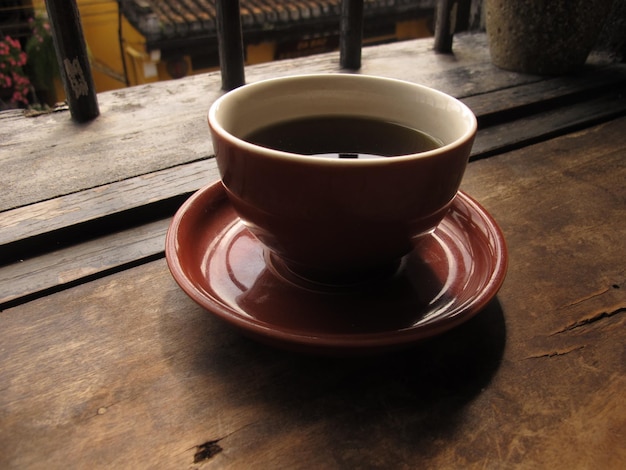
30,278
155,194
127,372
145,192
541,126
148,128
151,127
50,225
96,203
65,267
535,97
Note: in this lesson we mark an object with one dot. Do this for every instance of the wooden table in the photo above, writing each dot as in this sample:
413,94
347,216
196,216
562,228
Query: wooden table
106,363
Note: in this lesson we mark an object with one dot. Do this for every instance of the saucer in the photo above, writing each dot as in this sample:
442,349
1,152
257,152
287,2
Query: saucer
448,277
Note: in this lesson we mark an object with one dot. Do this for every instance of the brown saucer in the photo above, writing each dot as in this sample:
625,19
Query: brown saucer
447,279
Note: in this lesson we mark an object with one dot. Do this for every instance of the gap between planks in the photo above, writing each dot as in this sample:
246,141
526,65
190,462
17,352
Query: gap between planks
135,197
52,270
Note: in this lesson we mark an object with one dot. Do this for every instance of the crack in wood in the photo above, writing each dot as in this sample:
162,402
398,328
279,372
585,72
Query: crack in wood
589,320
587,297
556,353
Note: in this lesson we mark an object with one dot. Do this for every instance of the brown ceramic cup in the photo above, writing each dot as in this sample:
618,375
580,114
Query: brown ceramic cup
335,220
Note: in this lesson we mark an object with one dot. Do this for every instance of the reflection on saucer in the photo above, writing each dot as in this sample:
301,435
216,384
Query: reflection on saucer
445,280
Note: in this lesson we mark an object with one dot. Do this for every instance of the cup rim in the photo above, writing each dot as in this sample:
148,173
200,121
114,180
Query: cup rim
217,127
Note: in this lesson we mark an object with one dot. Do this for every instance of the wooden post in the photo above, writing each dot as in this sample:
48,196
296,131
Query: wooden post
445,25
69,43
230,44
351,34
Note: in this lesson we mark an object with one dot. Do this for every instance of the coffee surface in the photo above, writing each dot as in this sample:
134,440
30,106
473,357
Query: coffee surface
343,137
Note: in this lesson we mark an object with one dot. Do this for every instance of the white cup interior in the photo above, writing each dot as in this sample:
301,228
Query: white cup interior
257,105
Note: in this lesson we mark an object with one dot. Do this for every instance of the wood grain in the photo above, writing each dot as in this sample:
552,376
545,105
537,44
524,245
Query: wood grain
157,126
127,372
510,117
115,198
64,267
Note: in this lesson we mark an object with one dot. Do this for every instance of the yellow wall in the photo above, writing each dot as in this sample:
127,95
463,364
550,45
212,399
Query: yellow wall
99,19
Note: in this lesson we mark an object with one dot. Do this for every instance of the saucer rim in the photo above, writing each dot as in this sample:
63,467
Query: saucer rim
300,339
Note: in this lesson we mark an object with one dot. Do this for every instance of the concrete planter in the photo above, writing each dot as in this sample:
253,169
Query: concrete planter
543,36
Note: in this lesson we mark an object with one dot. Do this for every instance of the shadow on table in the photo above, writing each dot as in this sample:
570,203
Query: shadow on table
410,398
432,381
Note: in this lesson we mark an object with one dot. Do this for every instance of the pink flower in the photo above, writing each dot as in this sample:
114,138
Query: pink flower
19,98
12,77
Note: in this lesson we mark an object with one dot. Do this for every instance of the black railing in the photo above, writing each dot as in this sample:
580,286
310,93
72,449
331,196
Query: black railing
76,72
71,53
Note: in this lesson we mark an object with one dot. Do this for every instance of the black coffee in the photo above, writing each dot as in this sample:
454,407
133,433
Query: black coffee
343,137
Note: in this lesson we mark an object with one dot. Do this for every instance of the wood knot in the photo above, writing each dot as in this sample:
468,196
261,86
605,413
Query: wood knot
206,451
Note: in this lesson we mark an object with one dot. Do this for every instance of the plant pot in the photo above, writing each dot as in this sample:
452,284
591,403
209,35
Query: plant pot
546,37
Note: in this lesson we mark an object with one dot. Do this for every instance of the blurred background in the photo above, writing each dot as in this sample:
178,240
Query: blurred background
133,42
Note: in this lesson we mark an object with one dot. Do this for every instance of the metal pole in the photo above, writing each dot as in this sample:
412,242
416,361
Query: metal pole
445,25
351,34
230,44
69,43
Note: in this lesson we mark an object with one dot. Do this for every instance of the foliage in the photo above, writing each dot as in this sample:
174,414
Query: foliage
14,84
42,62
24,71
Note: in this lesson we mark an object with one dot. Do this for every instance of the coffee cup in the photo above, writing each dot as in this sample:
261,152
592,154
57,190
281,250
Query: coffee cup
340,175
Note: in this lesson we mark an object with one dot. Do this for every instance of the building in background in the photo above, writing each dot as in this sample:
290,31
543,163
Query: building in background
141,41
14,16
131,42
